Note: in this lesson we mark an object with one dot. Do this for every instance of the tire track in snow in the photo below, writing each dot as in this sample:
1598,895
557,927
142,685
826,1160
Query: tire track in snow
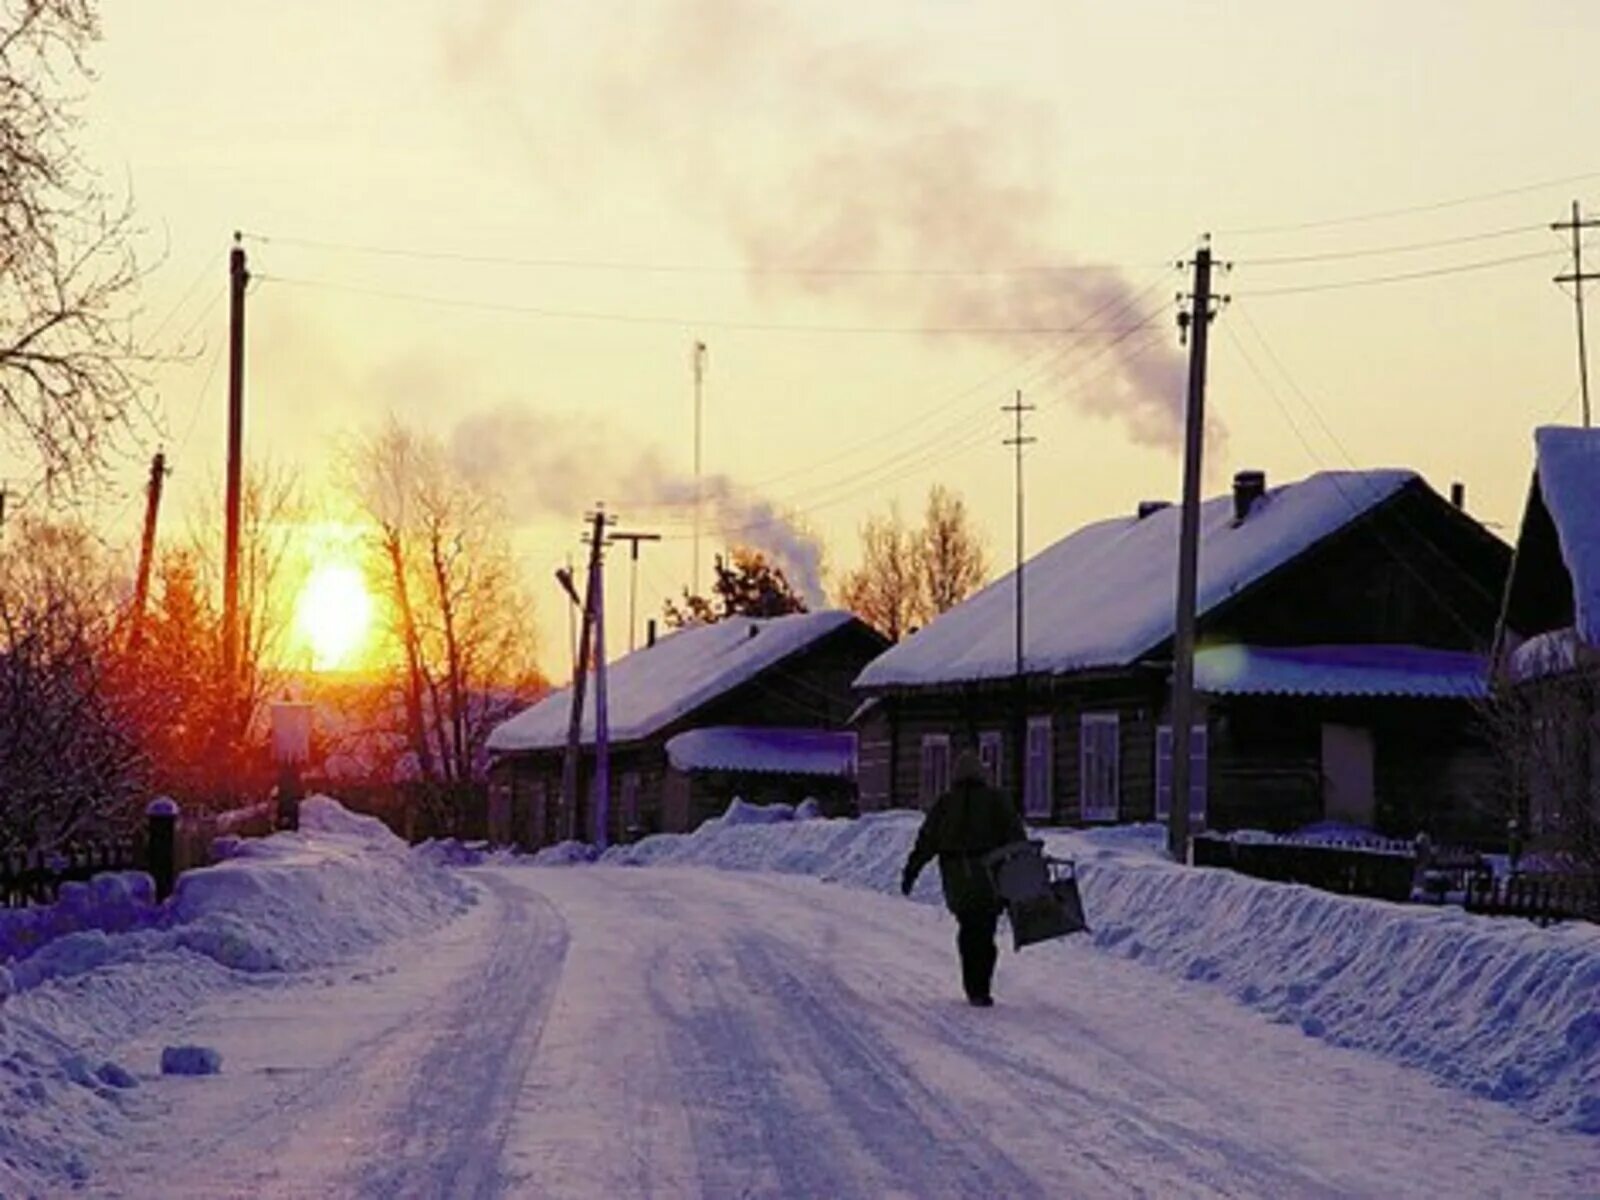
915,1133
448,1138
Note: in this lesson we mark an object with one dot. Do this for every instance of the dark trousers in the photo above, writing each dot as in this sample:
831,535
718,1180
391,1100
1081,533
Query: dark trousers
975,939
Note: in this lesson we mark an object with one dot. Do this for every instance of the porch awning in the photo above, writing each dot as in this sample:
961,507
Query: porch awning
776,751
1341,671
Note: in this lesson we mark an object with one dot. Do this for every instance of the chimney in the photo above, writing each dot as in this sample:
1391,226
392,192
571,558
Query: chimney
1458,494
1248,487
649,633
1146,507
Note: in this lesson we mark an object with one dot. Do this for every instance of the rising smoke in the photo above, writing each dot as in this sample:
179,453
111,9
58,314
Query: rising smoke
542,465
842,160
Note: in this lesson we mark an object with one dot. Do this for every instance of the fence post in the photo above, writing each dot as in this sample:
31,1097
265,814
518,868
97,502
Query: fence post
161,845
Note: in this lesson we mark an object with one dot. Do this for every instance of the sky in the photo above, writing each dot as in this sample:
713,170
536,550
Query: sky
509,223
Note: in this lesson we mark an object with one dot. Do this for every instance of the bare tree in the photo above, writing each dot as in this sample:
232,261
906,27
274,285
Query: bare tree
950,551
1546,732
462,626
68,363
889,589
70,758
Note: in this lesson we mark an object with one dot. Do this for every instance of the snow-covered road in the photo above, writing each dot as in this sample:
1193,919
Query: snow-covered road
612,1031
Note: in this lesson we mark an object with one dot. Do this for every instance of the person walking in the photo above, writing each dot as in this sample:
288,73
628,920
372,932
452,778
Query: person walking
969,821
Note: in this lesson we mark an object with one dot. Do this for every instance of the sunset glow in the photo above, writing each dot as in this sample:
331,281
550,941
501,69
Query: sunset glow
334,615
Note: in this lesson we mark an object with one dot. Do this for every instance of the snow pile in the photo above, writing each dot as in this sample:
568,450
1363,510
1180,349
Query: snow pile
117,964
1498,1007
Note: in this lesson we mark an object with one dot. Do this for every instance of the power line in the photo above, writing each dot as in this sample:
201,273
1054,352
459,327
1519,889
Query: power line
668,268
681,322
1284,260
1408,210
1401,277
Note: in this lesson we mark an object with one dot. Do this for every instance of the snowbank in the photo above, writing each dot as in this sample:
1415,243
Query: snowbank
1497,1007
82,977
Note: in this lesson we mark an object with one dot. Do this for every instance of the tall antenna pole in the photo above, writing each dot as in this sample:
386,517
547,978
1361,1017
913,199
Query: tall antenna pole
1577,278
699,361
238,280
1019,731
633,579
147,548
1195,322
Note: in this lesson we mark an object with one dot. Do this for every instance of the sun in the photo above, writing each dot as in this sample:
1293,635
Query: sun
333,614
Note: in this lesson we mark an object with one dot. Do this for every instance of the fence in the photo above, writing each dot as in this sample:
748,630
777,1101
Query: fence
36,876
1541,898
1391,870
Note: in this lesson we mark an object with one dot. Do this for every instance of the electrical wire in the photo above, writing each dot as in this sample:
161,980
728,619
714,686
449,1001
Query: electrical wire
679,322
1407,210
642,267
1401,277
1284,260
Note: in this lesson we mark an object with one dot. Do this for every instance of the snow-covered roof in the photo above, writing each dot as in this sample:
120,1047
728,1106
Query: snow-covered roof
779,751
1410,671
653,687
1106,595
1568,463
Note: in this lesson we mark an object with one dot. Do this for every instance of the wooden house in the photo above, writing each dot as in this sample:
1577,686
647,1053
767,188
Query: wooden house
746,707
1343,623
1547,654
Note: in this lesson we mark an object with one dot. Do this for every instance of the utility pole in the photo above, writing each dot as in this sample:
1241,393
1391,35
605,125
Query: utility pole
633,540
238,280
699,362
1193,324
5,494
147,548
1577,278
1019,733
602,715
580,678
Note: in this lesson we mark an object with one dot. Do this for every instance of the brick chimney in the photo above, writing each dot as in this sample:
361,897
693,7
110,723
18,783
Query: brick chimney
1458,494
1248,487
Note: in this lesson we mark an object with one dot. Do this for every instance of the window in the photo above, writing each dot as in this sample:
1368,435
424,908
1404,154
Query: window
1099,766
990,754
935,766
1036,784
1198,754
630,803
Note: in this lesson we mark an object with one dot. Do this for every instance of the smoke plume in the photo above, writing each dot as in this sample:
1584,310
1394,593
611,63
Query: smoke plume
833,166
546,465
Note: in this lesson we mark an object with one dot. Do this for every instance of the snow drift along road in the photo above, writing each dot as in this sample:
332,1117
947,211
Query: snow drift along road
1498,1007
89,973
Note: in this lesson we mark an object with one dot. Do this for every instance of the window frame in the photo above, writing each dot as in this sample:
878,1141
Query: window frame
1100,763
1038,780
992,753
1199,771
930,788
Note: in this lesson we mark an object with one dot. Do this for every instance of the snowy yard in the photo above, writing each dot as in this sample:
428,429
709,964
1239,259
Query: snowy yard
684,1029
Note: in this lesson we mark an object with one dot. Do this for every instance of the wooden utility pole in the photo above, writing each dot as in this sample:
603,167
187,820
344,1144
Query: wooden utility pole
238,280
633,540
580,680
602,715
1194,323
1019,732
699,363
1577,278
147,548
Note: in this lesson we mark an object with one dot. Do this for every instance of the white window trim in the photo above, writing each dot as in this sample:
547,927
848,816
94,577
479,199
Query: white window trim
1199,762
1109,808
1038,787
928,788
991,750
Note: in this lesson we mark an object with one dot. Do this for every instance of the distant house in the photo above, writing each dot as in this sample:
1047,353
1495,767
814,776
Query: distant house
1344,622
1547,656
743,707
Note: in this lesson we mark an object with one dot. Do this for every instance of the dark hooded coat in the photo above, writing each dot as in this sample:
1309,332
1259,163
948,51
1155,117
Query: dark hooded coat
969,821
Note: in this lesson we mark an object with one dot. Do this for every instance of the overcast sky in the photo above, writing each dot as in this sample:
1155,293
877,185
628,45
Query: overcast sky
888,167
